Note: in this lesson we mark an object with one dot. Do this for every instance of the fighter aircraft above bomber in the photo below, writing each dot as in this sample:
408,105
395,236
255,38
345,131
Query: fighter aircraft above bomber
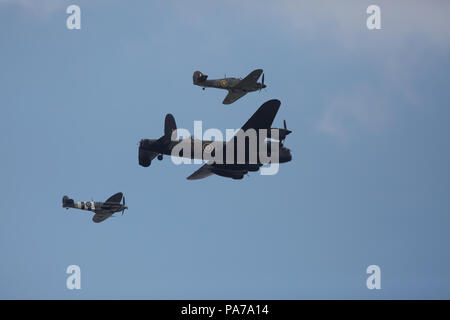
237,88
230,167
102,210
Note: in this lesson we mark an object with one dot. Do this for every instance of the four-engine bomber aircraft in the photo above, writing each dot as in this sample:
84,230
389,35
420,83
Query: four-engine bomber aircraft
261,119
102,210
236,87
150,148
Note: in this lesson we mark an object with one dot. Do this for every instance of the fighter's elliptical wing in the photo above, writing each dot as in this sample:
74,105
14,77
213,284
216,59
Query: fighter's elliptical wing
107,208
101,216
250,80
232,96
115,199
261,119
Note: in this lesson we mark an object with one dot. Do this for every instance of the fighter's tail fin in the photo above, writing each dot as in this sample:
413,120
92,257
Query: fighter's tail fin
199,77
67,202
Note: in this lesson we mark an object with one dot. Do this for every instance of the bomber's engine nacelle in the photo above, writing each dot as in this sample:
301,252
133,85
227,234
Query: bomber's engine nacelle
235,175
282,133
199,77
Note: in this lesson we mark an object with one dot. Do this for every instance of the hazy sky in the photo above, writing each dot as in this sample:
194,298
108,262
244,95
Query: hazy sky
368,184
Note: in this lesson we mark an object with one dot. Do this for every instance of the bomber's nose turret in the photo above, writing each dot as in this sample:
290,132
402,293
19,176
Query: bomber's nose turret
285,155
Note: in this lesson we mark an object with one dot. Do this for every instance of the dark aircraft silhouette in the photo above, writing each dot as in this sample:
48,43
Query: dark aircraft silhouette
237,88
261,119
102,210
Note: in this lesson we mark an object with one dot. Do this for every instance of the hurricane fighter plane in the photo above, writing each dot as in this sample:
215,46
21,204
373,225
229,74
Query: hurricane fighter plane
102,210
261,119
237,87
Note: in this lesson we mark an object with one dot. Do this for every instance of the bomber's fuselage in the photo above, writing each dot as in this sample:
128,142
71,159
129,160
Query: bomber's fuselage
232,153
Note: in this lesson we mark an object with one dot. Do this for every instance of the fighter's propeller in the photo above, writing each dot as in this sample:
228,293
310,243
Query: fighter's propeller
124,207
262,83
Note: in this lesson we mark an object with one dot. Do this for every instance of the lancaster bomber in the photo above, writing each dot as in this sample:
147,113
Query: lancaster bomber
230,168
237,88
102,210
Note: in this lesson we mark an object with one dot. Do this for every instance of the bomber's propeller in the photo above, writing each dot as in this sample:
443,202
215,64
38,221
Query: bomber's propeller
285,132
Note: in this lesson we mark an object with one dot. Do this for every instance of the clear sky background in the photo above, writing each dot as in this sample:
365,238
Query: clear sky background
369,182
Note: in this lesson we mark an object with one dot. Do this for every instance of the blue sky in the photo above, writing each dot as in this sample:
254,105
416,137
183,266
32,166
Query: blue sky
368,184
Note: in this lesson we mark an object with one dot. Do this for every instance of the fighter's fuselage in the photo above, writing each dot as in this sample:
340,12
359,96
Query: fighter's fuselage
94,206
102,210
88,205
228,84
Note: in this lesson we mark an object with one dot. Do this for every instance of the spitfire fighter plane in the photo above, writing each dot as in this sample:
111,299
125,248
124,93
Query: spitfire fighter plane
237,88
261,119
102,210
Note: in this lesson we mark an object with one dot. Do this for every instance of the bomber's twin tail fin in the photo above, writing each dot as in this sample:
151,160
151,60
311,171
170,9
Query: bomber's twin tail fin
169,127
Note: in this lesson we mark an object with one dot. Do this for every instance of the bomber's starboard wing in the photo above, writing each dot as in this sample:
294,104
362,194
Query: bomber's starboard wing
263,117
115,198
250,80
203,172
99,217
232,96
